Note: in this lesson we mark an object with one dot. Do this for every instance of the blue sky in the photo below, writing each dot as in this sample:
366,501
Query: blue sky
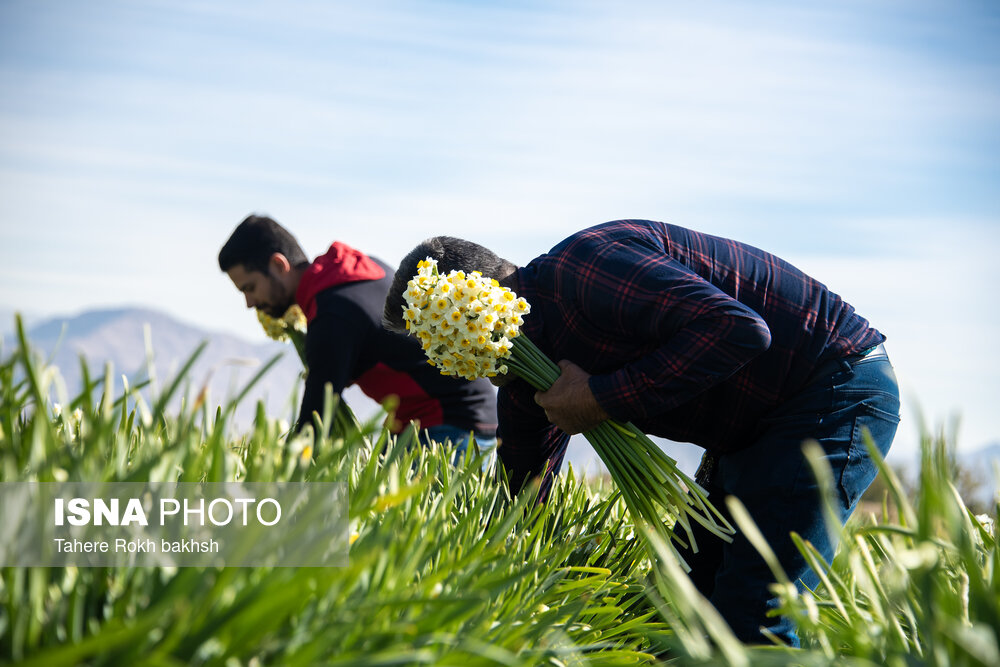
859,140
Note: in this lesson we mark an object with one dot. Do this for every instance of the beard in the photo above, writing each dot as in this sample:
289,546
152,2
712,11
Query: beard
277,312
281,299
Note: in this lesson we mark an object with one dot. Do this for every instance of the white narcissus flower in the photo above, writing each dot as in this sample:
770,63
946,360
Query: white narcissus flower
294,318
921,557
273,328
469,328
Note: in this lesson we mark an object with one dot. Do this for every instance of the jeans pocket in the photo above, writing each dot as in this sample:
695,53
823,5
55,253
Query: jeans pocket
860,469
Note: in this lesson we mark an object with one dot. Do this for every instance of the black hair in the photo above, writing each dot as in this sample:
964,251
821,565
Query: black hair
452,254
255,240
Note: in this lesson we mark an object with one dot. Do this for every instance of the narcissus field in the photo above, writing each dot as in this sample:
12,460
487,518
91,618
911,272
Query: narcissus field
446,567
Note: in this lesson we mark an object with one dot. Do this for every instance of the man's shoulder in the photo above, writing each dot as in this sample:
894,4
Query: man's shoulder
353,300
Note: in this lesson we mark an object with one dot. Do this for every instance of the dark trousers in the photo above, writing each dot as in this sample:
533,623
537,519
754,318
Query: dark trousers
776,484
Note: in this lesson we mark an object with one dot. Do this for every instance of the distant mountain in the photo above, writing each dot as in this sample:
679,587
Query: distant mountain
117,337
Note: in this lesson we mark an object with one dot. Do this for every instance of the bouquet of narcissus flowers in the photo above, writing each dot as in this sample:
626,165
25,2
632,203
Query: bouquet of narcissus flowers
470,326
466,323
290,327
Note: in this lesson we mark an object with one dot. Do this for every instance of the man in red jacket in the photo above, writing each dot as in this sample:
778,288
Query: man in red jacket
342,294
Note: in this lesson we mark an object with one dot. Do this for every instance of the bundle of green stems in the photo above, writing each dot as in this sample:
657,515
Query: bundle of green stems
649,480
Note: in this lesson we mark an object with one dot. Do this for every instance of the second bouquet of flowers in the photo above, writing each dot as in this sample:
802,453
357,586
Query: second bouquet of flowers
469,326
291,327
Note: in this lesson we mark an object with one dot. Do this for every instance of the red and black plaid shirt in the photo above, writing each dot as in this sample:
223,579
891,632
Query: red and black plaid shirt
693,337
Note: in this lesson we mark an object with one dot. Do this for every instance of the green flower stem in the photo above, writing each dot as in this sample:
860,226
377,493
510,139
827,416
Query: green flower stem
298,339
639,506
649,480
530,376
625,455
695,494
539,357
630,473
645,478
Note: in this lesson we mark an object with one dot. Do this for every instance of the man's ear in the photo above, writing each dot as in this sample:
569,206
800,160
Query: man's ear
280,263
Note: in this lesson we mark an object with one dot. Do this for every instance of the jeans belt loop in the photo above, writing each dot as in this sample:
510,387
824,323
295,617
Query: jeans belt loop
831,366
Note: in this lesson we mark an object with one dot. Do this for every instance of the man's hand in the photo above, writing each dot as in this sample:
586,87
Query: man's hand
569,403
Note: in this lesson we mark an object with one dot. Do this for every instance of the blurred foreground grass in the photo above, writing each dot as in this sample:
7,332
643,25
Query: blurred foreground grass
445,566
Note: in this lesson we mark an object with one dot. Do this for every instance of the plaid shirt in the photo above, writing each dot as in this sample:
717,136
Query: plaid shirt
693,337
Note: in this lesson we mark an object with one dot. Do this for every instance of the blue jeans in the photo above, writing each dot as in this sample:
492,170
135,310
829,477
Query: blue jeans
775,483
459,440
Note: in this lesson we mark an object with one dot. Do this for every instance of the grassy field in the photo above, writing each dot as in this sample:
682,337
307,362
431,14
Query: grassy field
445,567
